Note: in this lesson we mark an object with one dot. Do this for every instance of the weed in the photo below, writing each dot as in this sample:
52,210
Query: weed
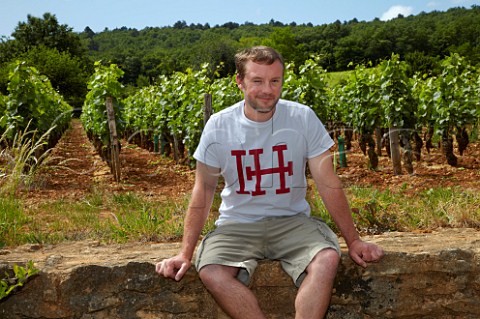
23,156
20,276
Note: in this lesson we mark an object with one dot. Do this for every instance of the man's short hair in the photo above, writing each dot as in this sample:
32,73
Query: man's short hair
257,54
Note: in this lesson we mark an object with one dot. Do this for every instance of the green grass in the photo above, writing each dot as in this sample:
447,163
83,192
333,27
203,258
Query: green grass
21,157
341,77
100,215
12,220
123,217
377,211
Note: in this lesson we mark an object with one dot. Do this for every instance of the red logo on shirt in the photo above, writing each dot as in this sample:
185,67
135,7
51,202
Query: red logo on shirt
282,170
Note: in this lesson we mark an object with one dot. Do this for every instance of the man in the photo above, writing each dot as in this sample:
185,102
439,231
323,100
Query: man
261,147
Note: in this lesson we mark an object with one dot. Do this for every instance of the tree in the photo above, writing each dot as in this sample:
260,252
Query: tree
422,39
87,36
421,63
348,49
48,32
53,49
68,75
284,41
180,25
217,50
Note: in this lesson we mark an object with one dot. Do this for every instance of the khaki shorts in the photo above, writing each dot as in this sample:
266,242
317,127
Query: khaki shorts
293,240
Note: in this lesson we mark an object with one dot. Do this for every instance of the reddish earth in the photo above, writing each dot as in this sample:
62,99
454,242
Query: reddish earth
430,172
76,170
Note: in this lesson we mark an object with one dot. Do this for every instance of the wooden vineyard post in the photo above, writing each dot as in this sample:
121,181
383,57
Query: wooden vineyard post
176,150
114,145
207,108
395,151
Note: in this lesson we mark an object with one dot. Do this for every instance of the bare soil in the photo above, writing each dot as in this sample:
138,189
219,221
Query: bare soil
76,169
432,171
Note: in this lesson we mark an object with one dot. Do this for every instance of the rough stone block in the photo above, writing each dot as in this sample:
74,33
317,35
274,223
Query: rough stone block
431,275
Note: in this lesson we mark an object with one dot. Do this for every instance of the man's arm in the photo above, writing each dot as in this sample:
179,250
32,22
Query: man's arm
330,189
206,179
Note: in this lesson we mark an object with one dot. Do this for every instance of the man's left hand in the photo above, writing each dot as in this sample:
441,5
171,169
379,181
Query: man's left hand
362,252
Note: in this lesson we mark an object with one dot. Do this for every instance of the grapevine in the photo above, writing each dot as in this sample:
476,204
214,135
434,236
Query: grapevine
32,102
103,84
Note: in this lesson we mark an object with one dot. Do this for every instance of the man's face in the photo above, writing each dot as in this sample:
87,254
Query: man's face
262,88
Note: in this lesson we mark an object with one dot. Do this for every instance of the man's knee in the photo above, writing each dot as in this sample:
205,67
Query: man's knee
214,275
325,259
207,274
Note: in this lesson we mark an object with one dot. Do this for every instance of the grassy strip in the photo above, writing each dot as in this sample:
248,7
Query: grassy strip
377,211
98,216
12,221
129,217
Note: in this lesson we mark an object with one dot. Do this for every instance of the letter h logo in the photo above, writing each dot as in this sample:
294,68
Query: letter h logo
282,170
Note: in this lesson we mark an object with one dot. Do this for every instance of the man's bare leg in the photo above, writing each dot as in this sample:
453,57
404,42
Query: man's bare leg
236,299
314,294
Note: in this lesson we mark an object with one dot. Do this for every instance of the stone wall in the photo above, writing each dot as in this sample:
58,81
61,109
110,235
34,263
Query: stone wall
431,275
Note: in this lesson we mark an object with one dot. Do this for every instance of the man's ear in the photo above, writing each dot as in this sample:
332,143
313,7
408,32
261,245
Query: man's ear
239,82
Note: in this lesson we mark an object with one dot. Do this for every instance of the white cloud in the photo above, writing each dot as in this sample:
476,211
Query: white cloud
394,11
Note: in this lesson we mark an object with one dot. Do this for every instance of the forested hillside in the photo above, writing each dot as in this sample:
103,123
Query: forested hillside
421,40
67,58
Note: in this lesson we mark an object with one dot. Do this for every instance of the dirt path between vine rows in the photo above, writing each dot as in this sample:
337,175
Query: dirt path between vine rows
76,169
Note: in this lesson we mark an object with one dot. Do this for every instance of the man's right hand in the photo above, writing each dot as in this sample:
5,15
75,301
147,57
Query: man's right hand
174,268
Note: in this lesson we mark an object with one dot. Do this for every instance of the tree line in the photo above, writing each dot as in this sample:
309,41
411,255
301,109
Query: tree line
423,40
67,58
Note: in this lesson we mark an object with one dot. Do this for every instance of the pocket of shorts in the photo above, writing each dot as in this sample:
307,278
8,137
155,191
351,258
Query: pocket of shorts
318,219
327,232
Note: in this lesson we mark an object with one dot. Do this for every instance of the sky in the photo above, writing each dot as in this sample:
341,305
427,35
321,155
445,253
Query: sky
138,14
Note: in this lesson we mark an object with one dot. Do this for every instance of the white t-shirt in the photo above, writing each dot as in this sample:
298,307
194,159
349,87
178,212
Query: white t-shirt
263,163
